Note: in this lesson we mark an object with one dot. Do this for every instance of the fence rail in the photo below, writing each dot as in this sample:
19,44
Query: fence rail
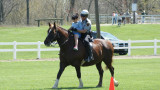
105,18
39,49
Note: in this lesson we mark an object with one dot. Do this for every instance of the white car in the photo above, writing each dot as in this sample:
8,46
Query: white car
109,36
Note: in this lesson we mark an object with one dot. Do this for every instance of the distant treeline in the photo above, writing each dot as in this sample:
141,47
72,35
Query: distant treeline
14,12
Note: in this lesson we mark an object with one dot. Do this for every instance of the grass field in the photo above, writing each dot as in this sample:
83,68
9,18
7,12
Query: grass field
34,34
132,74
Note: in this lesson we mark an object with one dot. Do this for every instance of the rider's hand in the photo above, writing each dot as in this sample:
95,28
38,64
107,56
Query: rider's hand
70,29
74,29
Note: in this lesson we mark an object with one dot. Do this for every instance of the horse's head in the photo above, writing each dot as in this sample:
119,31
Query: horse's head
52,34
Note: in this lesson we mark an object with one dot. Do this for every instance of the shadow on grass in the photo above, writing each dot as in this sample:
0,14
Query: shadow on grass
70,88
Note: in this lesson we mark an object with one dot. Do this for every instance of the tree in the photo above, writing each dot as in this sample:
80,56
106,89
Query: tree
1,11
27,1
15,11
89,4
55,9
72,3
4,12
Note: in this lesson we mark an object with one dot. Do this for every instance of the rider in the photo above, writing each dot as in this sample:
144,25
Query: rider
76,24
85,33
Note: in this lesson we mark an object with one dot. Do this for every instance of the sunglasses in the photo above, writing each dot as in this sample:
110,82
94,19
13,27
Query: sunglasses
82,15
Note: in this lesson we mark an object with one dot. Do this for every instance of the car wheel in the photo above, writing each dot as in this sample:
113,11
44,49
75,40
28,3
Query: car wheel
122,53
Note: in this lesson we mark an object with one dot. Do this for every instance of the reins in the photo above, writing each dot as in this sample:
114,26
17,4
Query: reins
59,37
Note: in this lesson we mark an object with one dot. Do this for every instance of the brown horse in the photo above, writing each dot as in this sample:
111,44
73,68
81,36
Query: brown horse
102,51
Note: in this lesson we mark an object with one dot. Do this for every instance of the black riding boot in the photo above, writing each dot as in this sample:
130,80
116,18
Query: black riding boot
89,51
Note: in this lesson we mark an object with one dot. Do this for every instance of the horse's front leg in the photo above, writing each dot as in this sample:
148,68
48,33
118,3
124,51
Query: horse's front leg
79,76
62,67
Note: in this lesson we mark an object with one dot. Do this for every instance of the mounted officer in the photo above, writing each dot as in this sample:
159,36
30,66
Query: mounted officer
86,33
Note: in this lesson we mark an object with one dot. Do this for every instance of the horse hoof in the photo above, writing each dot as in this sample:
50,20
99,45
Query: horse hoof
116,83
99,86
80,87
54,87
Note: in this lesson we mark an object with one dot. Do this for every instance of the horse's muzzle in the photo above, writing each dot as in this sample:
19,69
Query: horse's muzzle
47,43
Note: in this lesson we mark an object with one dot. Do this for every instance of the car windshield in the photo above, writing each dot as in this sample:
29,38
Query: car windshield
108,36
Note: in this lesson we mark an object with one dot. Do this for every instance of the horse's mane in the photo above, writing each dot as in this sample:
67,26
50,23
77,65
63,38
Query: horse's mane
62,28
69,34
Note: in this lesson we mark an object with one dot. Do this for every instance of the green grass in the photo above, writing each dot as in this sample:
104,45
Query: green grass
34,34
134,31
132,74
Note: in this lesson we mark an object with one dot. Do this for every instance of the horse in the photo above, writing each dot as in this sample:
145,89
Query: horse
102,51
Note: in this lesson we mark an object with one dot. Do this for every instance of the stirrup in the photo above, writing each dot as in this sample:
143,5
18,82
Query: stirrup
83,61
89,59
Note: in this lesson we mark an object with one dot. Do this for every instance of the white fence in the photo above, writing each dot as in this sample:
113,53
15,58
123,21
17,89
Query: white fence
104,18
155,46
39,49
15,50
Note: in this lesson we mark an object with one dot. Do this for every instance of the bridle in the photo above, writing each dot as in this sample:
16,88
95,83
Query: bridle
56,36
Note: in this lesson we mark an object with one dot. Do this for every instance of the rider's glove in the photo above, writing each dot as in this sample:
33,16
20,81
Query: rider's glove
74,29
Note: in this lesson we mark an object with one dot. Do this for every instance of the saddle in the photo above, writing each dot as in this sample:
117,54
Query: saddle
87,42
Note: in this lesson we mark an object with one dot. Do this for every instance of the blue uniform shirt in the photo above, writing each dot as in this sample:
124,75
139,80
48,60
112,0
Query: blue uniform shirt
86,25
78,26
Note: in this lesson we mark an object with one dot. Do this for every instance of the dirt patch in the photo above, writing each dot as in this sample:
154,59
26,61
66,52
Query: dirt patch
28,60
136,57
114,57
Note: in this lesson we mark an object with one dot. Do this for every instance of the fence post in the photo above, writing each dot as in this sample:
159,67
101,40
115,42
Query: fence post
141,19
155,20
129,47
39,50
155,47
151,19
112,20
14,50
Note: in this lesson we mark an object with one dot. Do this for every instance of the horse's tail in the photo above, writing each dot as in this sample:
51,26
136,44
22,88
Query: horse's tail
108,55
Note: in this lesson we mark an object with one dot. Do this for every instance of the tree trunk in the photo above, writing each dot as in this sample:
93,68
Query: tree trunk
1,12
55,10
72,2
90,3
27,1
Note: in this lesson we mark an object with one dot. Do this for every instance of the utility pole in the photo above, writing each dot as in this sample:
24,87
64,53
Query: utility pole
97,19
134,5
27,1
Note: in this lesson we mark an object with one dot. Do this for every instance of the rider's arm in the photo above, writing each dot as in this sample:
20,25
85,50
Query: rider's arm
82,31
86,28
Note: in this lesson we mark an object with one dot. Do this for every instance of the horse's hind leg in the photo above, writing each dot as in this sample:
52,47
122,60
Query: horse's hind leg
111,69
100,70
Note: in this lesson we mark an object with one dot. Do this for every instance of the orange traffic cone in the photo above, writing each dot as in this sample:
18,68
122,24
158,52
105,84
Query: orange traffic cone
111,84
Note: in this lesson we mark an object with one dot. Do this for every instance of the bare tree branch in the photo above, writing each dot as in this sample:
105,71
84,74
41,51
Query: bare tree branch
89,4
7,13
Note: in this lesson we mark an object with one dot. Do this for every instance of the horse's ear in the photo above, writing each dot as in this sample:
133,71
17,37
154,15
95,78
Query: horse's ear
49,24
54,25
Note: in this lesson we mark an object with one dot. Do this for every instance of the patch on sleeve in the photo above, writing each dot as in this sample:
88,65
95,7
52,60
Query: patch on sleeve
88,23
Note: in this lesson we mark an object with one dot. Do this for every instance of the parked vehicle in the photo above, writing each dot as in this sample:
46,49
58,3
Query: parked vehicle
109,36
